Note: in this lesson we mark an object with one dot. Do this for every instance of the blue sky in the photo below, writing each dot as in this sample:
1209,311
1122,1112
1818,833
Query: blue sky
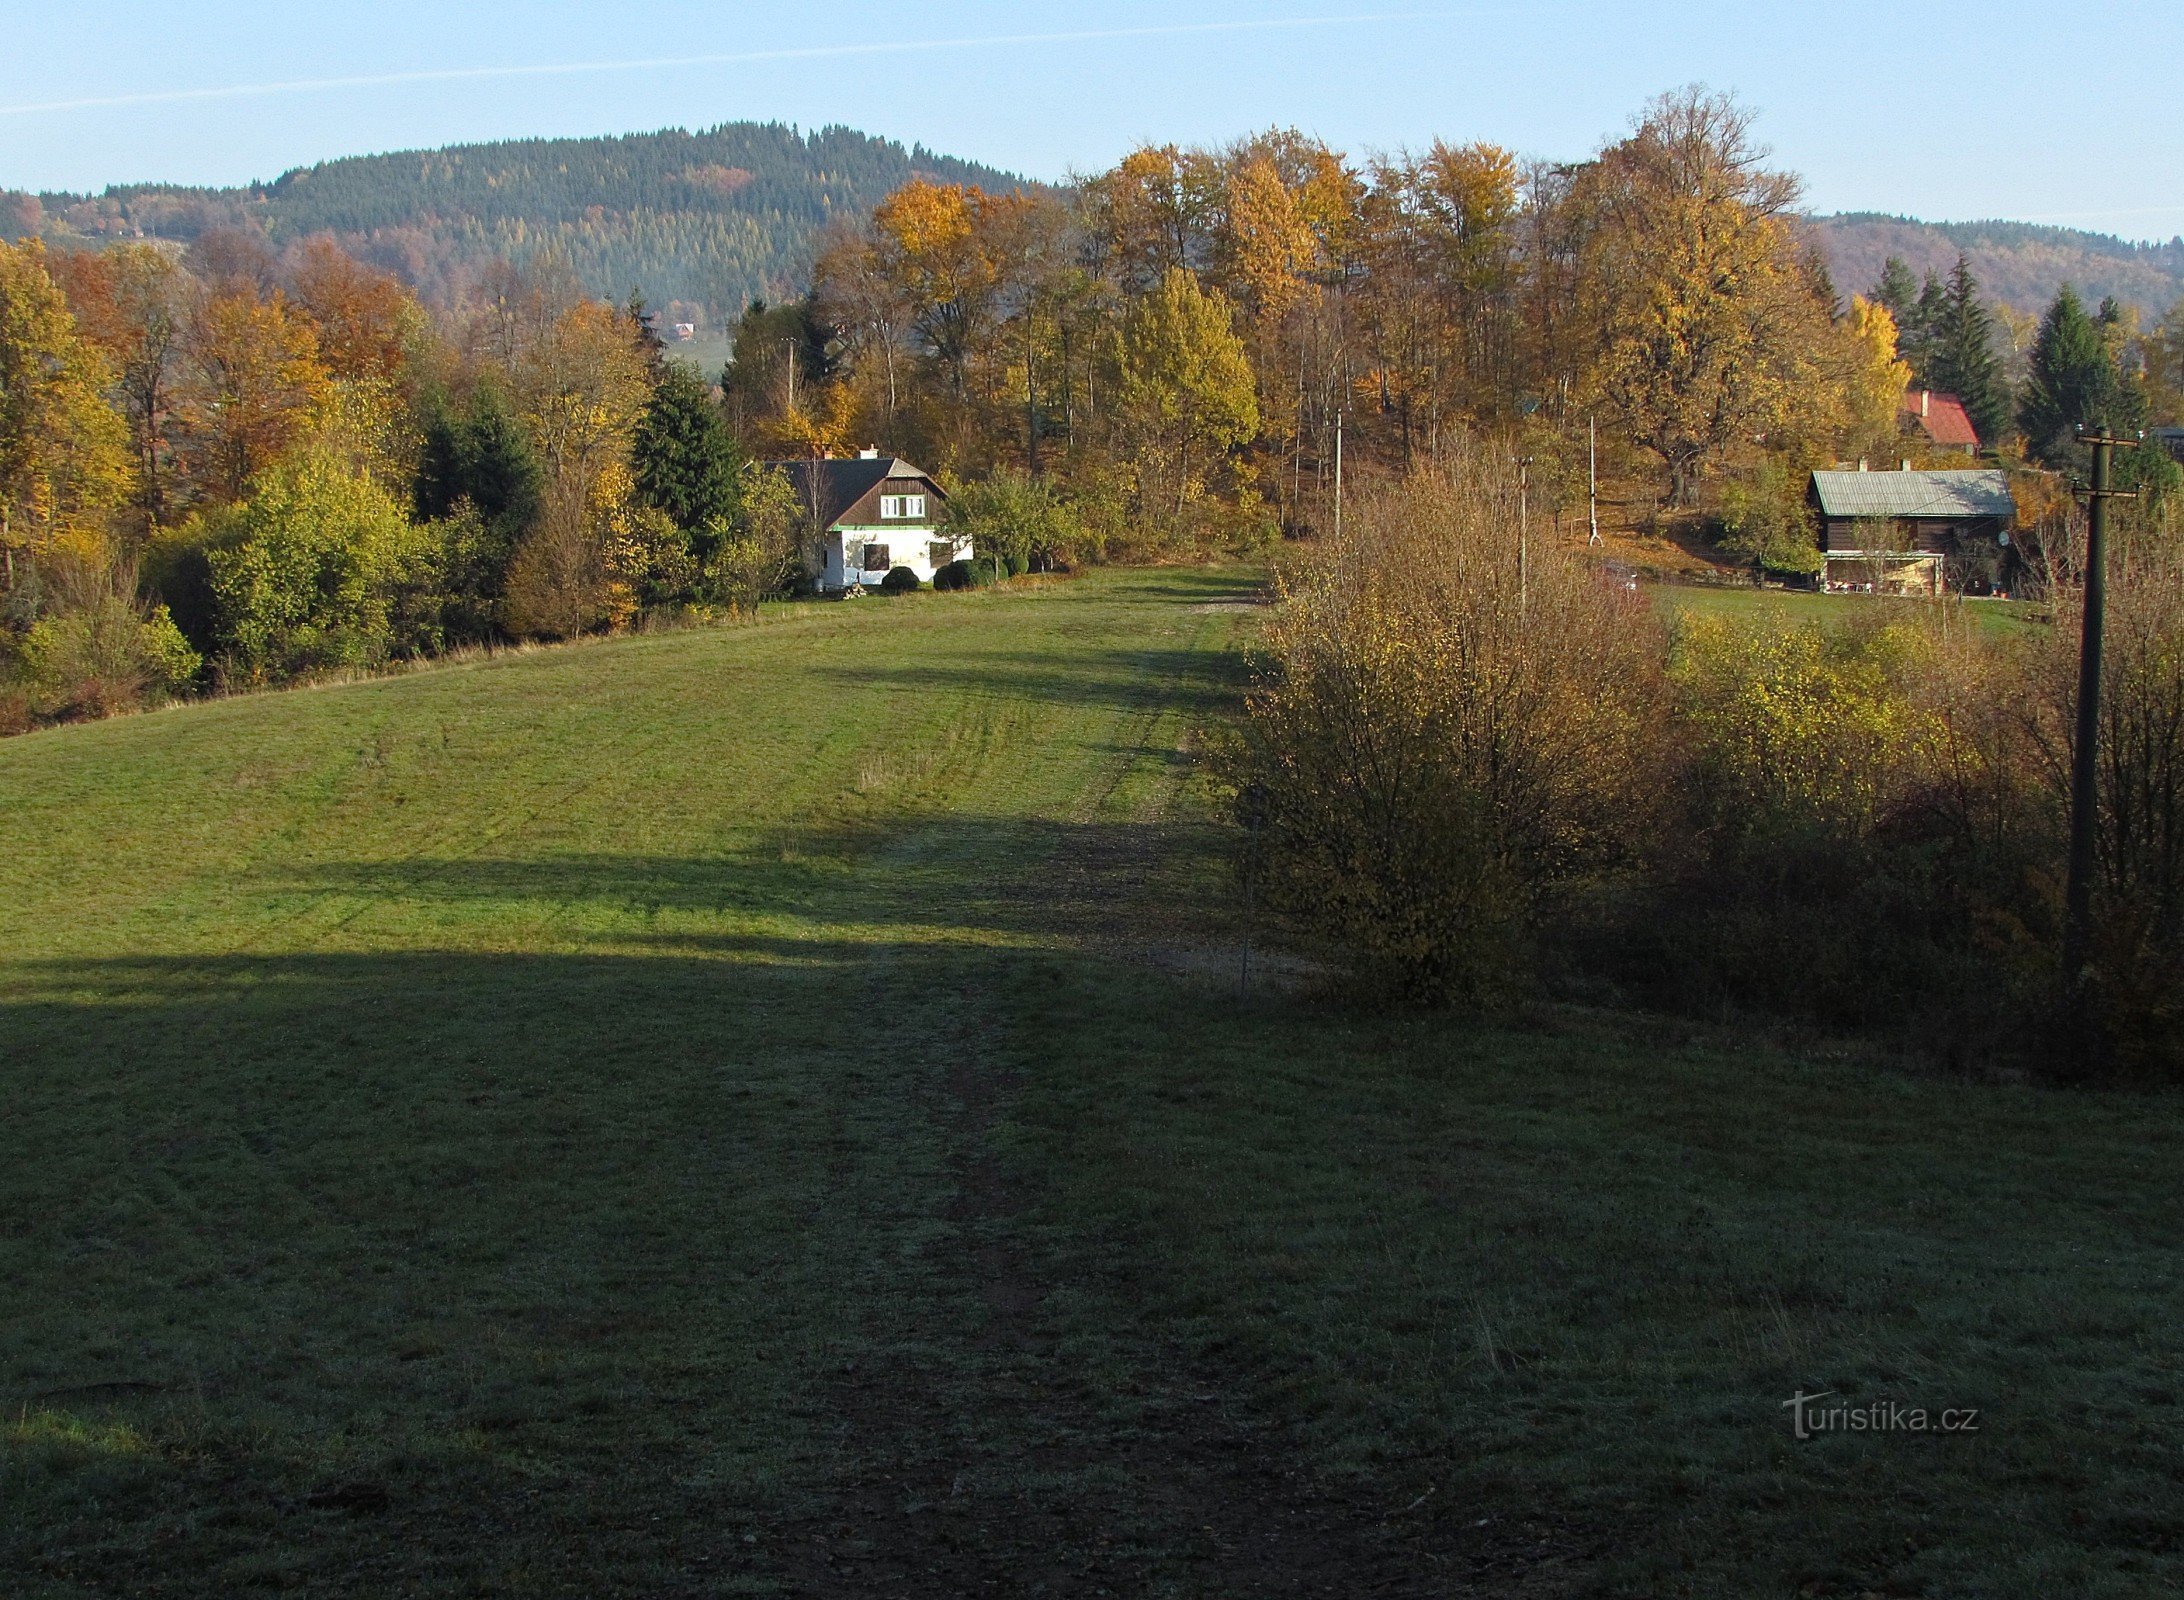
1942,109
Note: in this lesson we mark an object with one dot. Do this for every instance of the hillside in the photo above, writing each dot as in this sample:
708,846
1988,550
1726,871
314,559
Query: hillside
2019,264
767,1111
702,222
706,219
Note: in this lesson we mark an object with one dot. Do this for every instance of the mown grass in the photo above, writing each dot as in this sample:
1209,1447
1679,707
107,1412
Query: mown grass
1996,618
460,1129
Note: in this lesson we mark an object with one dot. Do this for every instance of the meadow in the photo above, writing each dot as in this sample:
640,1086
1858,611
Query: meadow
771,1110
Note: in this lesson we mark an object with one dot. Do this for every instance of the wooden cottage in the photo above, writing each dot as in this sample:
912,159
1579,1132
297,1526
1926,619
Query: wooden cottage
1900,531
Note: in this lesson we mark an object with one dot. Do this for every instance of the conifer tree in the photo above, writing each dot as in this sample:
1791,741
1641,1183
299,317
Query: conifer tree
2072,382
1897,291
686,462
1961,355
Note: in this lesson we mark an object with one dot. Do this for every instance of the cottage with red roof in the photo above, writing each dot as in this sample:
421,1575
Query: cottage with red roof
1938,421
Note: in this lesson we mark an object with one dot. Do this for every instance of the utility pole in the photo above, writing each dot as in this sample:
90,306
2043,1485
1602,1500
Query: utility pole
1338,473
1524,533
790,346
1592,478
2084,755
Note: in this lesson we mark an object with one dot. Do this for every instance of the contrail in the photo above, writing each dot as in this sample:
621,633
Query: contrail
572,68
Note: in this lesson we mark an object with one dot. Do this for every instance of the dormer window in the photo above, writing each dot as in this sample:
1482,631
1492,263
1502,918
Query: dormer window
904,507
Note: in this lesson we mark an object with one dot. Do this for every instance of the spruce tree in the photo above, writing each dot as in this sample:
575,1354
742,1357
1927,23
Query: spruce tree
686,462
440,481
501,470
2072,381
1962,359
1916,334
1897,290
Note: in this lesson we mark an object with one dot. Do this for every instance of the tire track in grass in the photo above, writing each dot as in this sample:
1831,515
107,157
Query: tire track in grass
982,1454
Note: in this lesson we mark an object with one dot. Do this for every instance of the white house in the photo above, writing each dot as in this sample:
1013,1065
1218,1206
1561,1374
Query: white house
874,513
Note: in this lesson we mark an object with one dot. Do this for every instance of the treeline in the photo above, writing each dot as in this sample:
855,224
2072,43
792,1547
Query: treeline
1177,343
226,466
714,218
1473,779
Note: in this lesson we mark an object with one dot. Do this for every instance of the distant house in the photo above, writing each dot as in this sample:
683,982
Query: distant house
1938,421
874,513
2170,439
1905,532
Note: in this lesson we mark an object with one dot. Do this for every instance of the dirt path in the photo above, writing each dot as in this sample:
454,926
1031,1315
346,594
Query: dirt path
989,1453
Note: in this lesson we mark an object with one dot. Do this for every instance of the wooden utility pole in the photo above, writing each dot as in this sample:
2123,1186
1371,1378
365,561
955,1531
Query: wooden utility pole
1524,534
1592,479
2085,749
1338,473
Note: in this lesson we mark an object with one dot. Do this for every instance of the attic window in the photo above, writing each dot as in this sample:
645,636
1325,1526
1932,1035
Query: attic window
902,505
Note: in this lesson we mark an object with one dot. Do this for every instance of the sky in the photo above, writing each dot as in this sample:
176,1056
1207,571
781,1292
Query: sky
1941,109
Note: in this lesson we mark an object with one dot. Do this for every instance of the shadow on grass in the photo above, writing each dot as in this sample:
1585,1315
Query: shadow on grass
1194,683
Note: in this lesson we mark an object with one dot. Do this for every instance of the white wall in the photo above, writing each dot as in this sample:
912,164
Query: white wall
909,544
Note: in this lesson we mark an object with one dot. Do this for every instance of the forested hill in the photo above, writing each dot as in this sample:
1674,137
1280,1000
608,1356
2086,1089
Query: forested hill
702,222
2019,264
709,219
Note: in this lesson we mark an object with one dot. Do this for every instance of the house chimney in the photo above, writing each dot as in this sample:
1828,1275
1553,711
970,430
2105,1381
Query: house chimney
1906,467
868,455
1862,464
1926,402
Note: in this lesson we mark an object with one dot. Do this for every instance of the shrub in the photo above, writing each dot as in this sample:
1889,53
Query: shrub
1022,520
1439,741
900,580
1767,521
983,572
104,656
303,573
954,576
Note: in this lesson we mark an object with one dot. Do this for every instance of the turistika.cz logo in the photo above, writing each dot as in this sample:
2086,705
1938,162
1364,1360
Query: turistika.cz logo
1808,1419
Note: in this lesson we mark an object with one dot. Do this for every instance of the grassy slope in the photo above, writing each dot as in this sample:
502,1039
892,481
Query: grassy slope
538,1108
1994,619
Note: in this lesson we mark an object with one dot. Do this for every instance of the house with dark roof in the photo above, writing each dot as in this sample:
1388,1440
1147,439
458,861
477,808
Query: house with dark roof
873,513
1938,421
1913,532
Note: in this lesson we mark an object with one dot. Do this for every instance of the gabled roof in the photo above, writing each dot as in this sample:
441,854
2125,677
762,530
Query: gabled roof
1980,492
835,483
1941,417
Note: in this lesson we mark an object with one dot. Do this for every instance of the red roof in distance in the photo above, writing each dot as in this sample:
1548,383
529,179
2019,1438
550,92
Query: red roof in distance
1941,418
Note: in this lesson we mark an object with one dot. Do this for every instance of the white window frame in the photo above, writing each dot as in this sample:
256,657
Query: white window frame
902,507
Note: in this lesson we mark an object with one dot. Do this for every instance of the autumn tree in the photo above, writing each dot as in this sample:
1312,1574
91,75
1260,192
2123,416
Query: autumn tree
1715,322
580,389
1184,393
364,319
133,301
254,385
64,460
304,572
1873,378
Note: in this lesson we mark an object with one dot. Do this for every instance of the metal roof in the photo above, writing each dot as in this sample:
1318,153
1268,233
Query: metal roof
1979,492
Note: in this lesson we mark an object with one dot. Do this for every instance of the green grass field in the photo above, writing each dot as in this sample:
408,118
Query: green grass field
1995,617
768,1111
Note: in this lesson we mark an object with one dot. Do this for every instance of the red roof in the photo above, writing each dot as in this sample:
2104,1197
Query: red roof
1940,417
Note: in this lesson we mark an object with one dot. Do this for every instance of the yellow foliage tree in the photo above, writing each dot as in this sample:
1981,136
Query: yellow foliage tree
1874,379
256,387
64,458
